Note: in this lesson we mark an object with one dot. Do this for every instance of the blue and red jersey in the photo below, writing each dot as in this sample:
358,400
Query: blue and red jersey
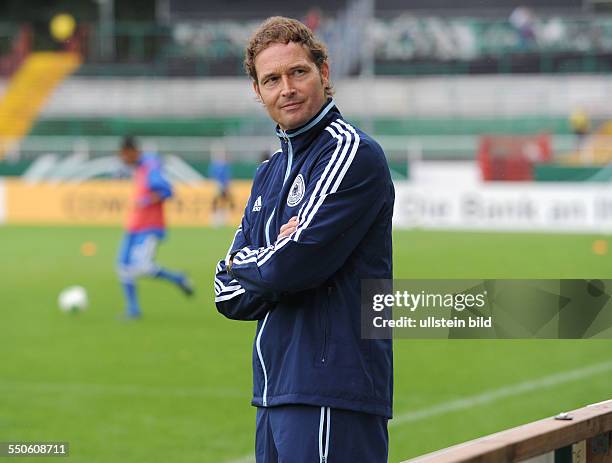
151,190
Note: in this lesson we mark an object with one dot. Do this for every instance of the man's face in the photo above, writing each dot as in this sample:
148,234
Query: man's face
129,156
289,84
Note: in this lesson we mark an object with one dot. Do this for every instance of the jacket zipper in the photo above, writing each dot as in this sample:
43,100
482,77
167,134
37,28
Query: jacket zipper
263,325
287,172
261,361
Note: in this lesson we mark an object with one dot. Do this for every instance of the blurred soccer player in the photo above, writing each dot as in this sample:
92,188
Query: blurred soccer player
220,171
145,228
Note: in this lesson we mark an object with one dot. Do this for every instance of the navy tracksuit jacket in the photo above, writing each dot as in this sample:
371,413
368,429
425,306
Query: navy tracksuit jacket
305,289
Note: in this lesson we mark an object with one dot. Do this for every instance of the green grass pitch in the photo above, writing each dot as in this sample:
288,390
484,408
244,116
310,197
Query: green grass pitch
176,385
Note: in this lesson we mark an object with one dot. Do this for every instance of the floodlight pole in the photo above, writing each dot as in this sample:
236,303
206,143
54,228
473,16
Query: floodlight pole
106,28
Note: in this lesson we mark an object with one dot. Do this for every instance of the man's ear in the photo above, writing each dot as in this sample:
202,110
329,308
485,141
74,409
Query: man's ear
325,74
257,93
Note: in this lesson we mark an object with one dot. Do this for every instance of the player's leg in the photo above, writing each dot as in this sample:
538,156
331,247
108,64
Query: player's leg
178,278
146,265
305,434
216,216
265,451
229,199
127,276
136,259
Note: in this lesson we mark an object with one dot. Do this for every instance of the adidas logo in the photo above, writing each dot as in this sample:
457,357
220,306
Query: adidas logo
257,205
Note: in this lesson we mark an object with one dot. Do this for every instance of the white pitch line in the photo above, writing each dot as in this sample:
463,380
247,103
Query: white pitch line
496,394
486,397
120,389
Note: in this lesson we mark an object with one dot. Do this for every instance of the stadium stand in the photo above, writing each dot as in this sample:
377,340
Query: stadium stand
206,39
421,72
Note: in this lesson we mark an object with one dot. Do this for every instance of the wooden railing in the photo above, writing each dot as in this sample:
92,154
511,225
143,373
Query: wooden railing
584,436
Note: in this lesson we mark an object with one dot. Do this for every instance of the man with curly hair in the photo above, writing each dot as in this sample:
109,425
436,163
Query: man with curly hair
317,223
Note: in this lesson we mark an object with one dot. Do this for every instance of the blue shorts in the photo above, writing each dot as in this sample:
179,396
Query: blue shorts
307,434
137,255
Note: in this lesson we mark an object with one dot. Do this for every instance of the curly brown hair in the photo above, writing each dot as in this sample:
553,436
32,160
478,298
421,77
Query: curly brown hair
278,29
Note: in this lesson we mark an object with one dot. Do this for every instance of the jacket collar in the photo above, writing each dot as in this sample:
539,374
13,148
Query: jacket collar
303,135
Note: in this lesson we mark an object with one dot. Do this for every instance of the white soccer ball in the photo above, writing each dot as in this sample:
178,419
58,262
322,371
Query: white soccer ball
73,299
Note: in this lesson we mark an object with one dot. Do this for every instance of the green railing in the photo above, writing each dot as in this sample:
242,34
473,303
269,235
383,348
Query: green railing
223,126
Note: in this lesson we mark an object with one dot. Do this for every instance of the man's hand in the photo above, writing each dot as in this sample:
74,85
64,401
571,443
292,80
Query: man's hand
288,228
